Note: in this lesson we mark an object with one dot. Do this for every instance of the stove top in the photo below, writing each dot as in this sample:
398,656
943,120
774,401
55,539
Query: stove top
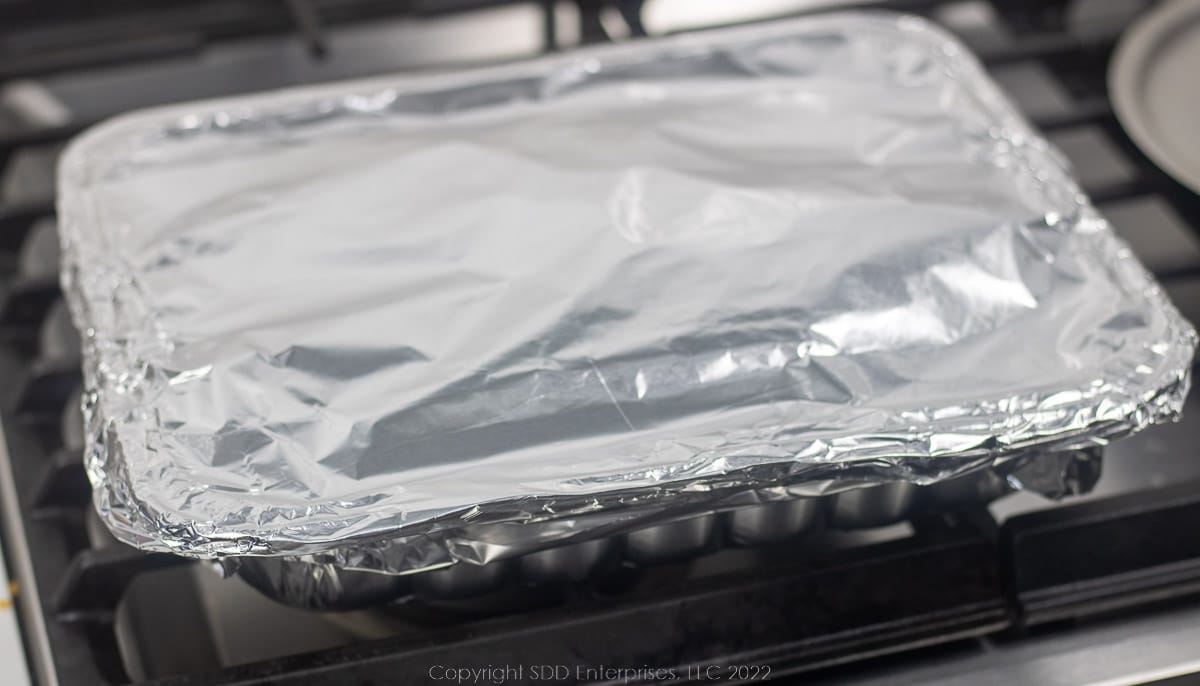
965,594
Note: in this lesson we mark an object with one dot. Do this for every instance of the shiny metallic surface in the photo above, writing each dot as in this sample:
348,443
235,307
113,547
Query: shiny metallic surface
874,506
673,540
979,487
774,522
366,322
71,424
98,535
19,564
461,580
58,340
573,562
39,253
316,586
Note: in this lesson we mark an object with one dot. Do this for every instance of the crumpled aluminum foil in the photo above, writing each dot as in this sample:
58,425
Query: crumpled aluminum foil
340,582
398,323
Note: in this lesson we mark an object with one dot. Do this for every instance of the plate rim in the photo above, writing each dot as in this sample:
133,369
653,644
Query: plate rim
1136,48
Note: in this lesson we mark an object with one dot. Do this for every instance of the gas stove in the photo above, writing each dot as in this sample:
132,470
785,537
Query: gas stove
903,585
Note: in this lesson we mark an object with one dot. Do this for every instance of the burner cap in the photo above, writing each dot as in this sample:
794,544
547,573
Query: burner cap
1152,82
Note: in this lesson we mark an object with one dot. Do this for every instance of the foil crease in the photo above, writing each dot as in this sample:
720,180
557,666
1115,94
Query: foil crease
395,324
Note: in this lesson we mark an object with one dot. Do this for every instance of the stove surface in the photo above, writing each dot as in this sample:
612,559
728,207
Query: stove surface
12,652
174,619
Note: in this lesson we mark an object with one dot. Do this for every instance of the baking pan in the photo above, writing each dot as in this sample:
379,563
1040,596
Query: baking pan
398,324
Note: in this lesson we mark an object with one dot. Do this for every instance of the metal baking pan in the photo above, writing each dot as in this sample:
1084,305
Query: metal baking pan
398,324
323,586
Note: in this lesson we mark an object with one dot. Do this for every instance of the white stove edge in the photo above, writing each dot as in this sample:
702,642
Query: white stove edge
14,665
12,654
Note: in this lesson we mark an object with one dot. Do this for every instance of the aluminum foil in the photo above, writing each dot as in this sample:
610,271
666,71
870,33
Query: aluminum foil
388,325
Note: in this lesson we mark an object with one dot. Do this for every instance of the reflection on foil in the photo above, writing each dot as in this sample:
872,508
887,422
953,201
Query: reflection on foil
395,324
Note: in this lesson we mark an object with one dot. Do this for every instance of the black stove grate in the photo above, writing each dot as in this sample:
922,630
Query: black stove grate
958,575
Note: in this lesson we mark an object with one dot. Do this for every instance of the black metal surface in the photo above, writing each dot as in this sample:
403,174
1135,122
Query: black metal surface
27,303
62,484
50,544
308,23
1095,557
50,382
939,585
46,37
97,579
150,47
783,619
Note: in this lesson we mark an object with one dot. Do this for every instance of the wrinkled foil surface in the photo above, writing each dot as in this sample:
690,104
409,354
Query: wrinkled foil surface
392,324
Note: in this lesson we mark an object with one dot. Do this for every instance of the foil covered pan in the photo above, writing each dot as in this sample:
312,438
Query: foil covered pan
395,324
